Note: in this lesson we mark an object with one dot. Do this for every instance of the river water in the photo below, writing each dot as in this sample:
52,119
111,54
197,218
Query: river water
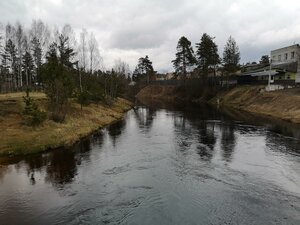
162,166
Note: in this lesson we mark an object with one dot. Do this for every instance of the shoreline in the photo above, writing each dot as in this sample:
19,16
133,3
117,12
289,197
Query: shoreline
281,104
18,139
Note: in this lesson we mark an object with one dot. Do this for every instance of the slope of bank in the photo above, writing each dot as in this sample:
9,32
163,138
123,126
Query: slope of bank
282,104
19,139
159,92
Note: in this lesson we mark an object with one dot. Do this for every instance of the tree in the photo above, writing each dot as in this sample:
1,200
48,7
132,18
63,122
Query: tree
264,60
144,69
57,75
20,45
66,52
9,63
121,68
83,49
37,57
28,68
231,56
41,33
93,52
184,57
207,53
2,77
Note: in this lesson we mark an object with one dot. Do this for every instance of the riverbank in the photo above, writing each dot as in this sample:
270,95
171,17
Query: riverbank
281,104
18,139
160,93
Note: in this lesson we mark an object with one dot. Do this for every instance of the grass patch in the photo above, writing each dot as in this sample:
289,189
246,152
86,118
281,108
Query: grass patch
18,139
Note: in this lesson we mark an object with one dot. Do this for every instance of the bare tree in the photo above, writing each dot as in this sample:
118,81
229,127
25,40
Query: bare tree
93,52
20,46
42,34
67,31
121,67
83,49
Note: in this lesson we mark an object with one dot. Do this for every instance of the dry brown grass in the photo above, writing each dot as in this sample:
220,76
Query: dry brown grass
166,93
284,104
18,139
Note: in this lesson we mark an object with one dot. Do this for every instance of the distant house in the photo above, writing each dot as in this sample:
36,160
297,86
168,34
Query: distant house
284,68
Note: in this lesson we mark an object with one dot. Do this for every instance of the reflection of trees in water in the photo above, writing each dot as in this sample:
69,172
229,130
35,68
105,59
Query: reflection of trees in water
192,128
207,140
115,130
60,165
145,117
3,171
228,141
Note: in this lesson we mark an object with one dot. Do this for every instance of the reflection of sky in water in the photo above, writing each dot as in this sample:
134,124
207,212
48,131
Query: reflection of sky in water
160,166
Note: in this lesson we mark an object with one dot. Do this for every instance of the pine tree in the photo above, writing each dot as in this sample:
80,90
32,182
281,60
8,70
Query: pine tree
207,53
231,56
184,57
143,70
28,68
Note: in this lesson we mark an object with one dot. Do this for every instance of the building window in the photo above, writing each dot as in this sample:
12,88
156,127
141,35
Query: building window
288,77
279,57
285,56
292,55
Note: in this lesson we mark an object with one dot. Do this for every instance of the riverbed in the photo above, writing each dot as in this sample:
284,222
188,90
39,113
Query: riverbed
167,165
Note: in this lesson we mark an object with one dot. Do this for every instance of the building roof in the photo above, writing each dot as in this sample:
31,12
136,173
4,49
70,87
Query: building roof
286,66
290,46
261,73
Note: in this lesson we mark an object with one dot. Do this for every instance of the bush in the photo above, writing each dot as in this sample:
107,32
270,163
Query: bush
34,116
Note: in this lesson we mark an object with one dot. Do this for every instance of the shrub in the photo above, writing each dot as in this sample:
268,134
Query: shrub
34,116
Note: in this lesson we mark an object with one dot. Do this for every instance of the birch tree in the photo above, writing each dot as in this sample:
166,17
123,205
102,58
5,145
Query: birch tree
83,49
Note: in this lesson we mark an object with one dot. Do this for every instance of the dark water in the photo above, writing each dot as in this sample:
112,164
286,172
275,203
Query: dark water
162,167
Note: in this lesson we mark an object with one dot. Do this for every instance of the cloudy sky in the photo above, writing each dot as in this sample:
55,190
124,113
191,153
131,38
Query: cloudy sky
129,29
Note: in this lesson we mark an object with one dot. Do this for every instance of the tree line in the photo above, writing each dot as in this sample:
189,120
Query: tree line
54,61
23,51
206,58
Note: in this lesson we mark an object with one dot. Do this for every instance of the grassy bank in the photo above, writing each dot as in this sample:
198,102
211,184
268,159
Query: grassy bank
18,139
282,104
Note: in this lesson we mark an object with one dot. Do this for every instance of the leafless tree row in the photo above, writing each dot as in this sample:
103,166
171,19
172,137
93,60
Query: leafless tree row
23,51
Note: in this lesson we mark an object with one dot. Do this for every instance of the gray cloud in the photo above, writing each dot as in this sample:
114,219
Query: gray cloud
129,29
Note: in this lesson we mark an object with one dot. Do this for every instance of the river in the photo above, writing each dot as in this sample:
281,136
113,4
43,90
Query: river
162,166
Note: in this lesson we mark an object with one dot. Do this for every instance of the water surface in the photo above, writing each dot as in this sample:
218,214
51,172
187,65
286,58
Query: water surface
160,166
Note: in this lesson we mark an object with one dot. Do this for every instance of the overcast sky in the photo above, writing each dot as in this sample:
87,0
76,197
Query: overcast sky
129,29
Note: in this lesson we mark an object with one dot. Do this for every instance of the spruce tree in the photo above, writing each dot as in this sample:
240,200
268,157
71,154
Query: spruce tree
231,56
207,53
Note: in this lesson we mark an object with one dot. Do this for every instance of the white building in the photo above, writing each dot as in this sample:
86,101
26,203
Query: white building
287,55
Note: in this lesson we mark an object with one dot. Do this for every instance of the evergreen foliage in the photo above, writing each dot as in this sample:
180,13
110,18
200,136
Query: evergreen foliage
184,57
